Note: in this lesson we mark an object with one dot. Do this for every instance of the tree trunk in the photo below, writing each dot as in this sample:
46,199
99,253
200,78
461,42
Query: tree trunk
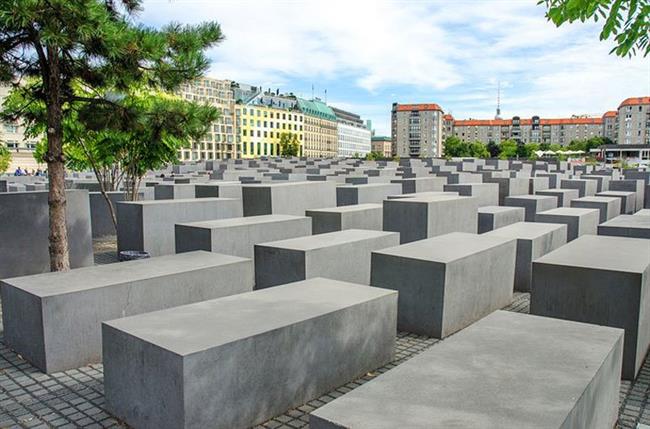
59,254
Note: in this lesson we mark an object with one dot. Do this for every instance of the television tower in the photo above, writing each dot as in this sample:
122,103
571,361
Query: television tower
498,115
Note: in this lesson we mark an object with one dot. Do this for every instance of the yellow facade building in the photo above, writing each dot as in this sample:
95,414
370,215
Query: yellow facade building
259,128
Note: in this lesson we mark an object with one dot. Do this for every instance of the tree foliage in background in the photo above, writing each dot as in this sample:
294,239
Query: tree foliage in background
289,144
493,148
376,156
5,158
508,149
454,147
93,44
627,21
478,150
588,144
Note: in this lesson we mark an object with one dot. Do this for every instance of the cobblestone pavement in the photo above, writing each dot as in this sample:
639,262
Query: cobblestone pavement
71,399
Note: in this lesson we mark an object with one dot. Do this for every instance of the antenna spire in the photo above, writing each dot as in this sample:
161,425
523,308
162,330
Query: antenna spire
498,115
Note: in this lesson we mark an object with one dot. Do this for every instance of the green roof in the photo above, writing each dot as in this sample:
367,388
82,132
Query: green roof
381,138
316,108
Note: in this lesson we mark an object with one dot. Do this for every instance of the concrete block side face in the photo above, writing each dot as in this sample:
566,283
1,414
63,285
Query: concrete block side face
586,295
485,222
79,229
475,286
409,219
189,238
365,219
277,266
347,196
421,290
130,233
598,405
523,265
588,223
22,320
231,386
295,200
459,215
143,384
348,262
256,201
323,222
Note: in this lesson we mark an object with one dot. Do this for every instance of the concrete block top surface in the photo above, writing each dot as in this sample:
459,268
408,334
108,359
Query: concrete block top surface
615,194
621,254
529,198
312,242
440,387
643,212
178,201
195,327
433,198
446,248
283,185
80,279
596,199
499,209
344,209
527,230
568,211
629,221
241,221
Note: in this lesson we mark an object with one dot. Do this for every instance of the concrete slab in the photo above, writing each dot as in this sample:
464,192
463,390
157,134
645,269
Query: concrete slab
608,207
493,217
421,184
630,185
579,221
53,320
509,186
600,280
532,204
626,226
236,362
585,187
487,194
564,196
288,198
360,216
448,282
628,200
565,372
347,195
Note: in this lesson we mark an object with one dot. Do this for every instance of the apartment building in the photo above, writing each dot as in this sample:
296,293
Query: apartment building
12,134
610,125
382,145
320,129
353,135
260,127
417,130
634,121
219,142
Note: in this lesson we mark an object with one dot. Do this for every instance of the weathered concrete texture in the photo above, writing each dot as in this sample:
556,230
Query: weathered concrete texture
53,320
3,186
419,218
532,204
448,282
506,371
537,184
628,200
24,231
421,195
217,189
348,195
626,226
644,212
553,178
341,255
601,280
149,225
288,198
421,184
608,207
493,217
486,194
238,361
630,185
603,181
238,236
646,200
585,187
534,239
564,196
509,186
579,221
361,216
171,191
100,215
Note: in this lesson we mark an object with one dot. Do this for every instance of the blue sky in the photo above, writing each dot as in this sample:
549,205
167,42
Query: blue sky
369,54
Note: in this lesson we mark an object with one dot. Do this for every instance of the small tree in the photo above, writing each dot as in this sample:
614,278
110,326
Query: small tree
494,149
289,144
5,158
455,147
508,149
478,150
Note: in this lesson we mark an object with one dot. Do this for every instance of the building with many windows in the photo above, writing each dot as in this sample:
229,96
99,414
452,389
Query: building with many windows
610,125
320,129
382,145
353,135
416,130
219,142
634,121
260,127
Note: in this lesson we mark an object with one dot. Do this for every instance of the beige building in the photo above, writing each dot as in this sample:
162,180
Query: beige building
220,141
416,130
12,135
382,145
634,121
320,129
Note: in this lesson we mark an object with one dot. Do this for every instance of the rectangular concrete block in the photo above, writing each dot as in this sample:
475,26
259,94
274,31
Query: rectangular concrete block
340,255
448,282
149,225
53,320
493,217
360,216
218,189
532,204
630,185
509,186
421,184
600,280
643,212
236,362
537,184
172,191
506,371
603,181
534,240
487,194
564,196
419,218
24,232
626,226
608,207
288,198
585,187
347,195
579,221
237,236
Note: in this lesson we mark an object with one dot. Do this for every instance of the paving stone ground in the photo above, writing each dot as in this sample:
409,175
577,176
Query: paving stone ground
75,399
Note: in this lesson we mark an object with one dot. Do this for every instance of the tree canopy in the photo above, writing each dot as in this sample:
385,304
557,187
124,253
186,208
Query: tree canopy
289,144
626,21
5,158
